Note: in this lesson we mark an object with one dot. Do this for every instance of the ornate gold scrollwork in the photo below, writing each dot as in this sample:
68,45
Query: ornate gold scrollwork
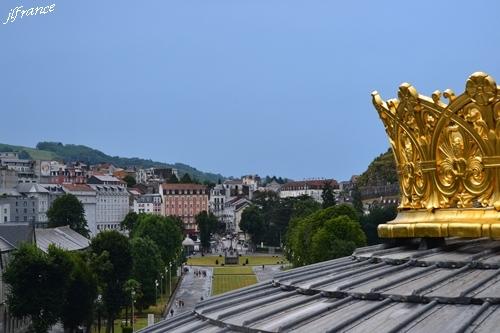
447,155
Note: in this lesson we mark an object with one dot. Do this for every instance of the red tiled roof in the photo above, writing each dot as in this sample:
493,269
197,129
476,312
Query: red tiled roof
78,187
169,186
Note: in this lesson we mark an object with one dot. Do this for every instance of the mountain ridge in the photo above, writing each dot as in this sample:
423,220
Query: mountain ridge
72,152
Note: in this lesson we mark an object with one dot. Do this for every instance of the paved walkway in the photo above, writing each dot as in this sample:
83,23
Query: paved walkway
192,289
267,273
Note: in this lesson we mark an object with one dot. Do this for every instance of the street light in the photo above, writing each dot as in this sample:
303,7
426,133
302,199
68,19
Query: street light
161,284
156,290
133,300
166,272
170,278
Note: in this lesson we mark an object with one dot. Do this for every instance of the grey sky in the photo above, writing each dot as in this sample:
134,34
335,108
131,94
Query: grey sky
263,86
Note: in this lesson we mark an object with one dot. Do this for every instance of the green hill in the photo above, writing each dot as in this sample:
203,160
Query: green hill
381,171
72,153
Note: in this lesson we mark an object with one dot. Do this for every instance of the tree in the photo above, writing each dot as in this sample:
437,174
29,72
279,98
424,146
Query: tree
207,224
146,269
68,210
38,283
309,238
133,289
173,179
252,223
81,294
130,180
338,237
130,221
113,265
186,179
377,215
327,195
164,232
357,203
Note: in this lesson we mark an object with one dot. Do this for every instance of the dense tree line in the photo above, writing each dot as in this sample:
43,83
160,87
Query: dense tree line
73,288
325,234
267,219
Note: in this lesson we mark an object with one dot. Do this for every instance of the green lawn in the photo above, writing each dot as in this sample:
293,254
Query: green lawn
224,283
233,270
262,260
252,260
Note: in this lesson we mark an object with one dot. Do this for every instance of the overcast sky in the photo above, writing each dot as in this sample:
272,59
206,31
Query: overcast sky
263,86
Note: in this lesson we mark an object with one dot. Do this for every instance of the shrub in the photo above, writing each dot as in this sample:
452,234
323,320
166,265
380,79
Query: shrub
127,329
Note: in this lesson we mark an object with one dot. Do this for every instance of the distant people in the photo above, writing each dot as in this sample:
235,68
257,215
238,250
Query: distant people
201,298
262,267
171,312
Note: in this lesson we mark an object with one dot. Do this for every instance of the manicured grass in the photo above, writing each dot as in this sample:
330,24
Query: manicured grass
233,270
252,260
225,283
262,260
205,261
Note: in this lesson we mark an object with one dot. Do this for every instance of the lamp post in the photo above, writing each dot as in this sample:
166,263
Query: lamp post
166,272
99,305
156,291
161,284
170,277
132,293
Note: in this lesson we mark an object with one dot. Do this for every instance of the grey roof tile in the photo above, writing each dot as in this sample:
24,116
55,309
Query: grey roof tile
455,288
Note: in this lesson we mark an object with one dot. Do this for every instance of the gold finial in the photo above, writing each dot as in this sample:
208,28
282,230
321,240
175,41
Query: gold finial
448,160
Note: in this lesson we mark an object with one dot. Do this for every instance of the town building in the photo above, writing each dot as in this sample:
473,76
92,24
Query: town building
112,201
217,200
24,168
272,186
88,197
232,213
63,237
185,201
312,188
105,180
60,173
233,187
148,203
8,178
42,196
155,175
18,207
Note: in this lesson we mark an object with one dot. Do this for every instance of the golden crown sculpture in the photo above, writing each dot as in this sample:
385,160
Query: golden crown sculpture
448,160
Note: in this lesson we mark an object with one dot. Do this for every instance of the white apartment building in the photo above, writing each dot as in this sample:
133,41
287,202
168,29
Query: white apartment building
312,188
112,205
217,200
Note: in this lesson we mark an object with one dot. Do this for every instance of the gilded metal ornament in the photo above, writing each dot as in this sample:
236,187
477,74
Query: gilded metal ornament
448,160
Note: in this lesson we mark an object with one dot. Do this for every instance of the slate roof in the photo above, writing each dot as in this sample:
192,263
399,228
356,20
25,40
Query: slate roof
453,288
63,237
16,233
